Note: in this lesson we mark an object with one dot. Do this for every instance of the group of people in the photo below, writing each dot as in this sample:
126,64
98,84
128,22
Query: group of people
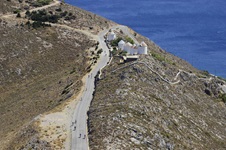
74,123
80,135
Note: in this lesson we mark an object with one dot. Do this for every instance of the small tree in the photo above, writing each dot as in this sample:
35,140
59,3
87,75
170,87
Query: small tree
223,97
18,15
114,52
99,51
28,24
28,13
128,39
116,41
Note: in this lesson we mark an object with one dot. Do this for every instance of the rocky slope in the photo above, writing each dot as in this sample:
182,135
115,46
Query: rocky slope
40,65
135,107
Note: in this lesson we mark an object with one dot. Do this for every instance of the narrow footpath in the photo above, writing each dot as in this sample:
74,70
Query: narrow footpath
54,3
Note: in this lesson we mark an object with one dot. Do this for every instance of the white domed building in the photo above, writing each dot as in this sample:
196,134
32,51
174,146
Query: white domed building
121,45
142,48
111,36
128,47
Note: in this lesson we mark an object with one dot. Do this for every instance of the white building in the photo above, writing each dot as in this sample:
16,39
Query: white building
127,47
133,49
121,44
143,48
111,36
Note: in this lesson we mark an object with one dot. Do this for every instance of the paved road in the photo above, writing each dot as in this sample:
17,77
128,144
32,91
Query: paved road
79,124
224,88
126,31
79,128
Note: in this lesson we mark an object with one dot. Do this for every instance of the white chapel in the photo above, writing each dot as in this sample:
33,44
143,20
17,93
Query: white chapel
111,36
133,49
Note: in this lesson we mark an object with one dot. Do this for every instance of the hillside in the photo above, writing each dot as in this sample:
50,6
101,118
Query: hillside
41,63
156,102
14,6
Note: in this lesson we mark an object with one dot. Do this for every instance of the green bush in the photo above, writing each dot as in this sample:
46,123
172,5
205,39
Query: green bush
128,39
43,16
63,14
16,11
158,56
44,2
205,72
28,13
115,41
223,97
18,15
114,52
221,78
99,51
58,9
69,17
124,53
40,3
38,24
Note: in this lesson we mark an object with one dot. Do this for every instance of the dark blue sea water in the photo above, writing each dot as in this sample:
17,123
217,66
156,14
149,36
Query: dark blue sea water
194,30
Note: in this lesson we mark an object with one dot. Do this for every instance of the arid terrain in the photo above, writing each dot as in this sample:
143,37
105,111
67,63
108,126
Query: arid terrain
156,102
41,65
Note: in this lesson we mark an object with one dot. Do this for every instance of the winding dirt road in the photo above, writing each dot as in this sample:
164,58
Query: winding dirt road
54,3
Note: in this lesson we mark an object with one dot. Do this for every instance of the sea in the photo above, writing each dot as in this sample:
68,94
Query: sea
194,30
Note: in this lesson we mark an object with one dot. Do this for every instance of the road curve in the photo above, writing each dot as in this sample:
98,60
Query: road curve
79,139
79,128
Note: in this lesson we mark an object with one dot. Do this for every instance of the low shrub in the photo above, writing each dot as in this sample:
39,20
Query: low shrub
128,39
158,56
99,51
205,72
116,41
223,97
42,16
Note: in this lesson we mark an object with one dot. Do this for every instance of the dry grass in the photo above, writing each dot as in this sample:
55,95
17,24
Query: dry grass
40,68
9,6
36,67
